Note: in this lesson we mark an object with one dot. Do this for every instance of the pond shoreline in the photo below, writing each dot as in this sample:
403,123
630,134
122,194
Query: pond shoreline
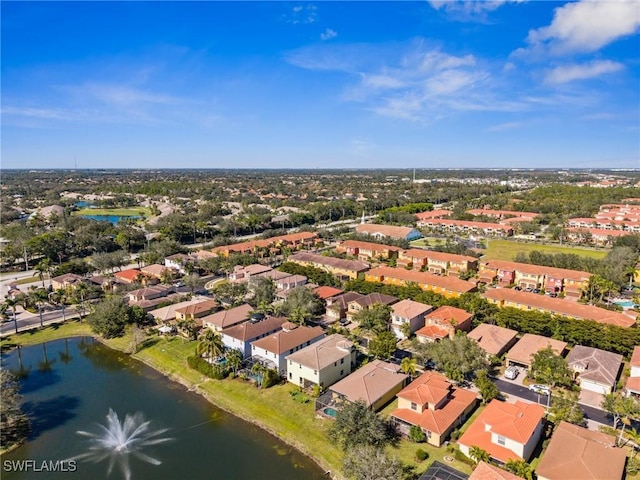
194,387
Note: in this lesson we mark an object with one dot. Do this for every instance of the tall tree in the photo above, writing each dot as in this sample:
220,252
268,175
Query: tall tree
487,387
458,357
263,292
375,319
383,345
371,463
408,366
550,368
14,424
210,345
302,304
12,303
520,468
622,408
565,407
478,454
110,317
356,424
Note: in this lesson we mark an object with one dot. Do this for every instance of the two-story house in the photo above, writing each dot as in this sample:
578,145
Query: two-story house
322,363
410,313
338,306
274,349
444,322
179,262
196,310
367,251
227,318
440,263
242,335
367,302
506,431
432,403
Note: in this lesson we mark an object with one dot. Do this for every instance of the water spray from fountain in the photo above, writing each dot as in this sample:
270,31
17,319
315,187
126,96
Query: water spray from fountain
116,441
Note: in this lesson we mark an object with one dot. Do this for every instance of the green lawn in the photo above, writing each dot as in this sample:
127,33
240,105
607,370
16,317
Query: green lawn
499,249
115,211
272,409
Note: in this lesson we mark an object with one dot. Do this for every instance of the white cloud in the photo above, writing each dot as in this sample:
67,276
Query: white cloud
328,34
501,127
569,73
469,10
302,14
122,95
586,26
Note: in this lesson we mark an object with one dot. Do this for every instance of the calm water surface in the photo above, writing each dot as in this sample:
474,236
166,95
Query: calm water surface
70,385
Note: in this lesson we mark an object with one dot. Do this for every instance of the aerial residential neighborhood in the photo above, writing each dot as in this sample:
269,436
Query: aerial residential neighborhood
312,240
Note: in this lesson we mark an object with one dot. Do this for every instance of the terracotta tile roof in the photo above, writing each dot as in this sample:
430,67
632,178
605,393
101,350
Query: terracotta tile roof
435,332
486,471
529,344
528,268
333,262
433,214
376,247
595,365
449,283
410,309
285,340
130,274
249,330
558,306
390,231
575,452
324,352
635,357
515,421
169,312
492,338
228,318
371,382
429,388
446,315
633,384
155,269
438,256
197,308
325,292
262,243
441,419
600,232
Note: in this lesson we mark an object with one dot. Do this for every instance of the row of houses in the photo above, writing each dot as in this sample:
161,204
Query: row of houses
505,297
292,241
528,276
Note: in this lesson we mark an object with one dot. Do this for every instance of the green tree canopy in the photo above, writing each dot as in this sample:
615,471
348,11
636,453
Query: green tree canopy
383,345
375,319
459,357
371,463
550,368
110,316
356,424
14,424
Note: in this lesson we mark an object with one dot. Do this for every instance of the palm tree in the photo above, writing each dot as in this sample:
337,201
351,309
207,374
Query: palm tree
81,289
520,468
234,359
59,298
44,266
408,366
478,455
39,296
12,303
210,345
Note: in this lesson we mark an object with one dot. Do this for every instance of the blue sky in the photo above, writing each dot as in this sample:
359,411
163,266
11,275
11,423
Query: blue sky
321,84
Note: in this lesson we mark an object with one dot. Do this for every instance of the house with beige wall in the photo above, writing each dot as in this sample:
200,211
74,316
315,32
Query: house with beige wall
322,363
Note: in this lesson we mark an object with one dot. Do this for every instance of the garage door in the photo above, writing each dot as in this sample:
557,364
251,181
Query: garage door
594,387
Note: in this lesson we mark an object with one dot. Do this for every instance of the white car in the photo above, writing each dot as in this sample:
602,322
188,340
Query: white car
511,373
542,389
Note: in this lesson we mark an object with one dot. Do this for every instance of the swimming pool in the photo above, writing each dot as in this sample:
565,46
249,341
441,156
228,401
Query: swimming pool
329,411
625,303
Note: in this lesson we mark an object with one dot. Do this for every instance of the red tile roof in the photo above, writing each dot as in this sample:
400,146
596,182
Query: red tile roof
558,306
635,357
391,231
464,223
130,275
376,247
432,388
433,214
486,471
575,452
433,331
515,421
325,292
448,283
410,309
575,275
446,315
333,262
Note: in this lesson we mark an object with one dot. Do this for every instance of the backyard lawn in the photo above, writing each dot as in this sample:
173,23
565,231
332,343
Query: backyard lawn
123,212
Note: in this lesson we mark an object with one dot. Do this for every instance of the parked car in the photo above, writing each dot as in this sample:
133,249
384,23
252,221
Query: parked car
511,373
541,389
178,284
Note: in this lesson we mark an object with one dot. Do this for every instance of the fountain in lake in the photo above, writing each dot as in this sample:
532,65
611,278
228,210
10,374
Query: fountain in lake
116,440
